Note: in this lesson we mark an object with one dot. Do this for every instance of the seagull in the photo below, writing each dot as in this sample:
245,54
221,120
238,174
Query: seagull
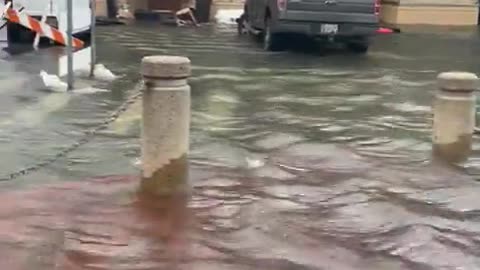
103,74
53,82
100,73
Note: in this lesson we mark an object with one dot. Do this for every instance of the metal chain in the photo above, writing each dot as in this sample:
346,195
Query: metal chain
87,137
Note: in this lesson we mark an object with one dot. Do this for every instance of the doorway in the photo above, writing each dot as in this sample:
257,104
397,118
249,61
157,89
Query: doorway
203,10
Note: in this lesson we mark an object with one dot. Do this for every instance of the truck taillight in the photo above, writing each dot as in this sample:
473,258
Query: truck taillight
377,7
282,5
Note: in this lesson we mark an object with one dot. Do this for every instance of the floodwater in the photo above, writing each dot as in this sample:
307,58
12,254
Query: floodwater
299,160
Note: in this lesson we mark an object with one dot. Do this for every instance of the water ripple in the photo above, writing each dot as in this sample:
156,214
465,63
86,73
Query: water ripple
291,154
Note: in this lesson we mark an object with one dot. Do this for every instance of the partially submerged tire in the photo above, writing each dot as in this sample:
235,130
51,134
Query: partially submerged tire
271,41
240,24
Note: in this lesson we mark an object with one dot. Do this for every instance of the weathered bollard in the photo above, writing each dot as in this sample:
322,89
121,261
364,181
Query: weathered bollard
166,124
454,116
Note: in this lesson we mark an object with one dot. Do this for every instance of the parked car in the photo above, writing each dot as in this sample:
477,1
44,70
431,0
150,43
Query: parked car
353,22
56,14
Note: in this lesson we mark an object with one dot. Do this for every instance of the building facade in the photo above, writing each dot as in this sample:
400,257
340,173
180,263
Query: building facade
431,12
394,12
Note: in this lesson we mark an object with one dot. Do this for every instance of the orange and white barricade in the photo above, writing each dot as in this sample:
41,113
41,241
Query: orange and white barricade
4,11
41,28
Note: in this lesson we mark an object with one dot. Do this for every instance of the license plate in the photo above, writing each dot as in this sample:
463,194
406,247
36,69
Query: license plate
329,28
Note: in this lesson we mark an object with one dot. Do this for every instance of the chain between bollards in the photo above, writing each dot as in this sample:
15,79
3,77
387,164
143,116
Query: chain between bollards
87,137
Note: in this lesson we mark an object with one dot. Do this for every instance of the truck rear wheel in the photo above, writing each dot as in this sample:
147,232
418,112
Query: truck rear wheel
271,41
241,24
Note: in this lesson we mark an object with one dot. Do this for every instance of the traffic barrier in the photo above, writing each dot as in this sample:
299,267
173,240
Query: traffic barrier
4,11
40,27
38,35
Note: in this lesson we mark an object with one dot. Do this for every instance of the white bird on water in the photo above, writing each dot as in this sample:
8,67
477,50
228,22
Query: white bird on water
103,74
53,82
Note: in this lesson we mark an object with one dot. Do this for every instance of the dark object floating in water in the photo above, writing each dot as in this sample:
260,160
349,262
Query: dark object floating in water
108,21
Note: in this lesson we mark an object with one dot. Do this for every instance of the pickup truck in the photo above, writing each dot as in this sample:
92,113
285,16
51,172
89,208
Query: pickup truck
352,22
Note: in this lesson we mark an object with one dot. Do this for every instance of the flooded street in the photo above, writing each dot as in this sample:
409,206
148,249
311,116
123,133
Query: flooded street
299,160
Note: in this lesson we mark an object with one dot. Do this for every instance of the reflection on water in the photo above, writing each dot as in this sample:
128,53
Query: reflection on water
337,212
298,161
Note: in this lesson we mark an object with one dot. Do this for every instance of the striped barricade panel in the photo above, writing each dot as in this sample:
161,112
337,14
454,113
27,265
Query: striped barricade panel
41,28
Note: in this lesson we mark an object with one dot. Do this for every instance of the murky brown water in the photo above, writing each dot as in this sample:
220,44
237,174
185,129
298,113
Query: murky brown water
298,161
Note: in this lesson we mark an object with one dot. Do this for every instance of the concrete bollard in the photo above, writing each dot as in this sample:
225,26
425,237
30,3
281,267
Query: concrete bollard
454,116
165,124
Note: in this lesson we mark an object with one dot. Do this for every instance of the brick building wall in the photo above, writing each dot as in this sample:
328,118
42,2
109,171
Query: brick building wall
431,12
396,12
155,4
101,8
228,4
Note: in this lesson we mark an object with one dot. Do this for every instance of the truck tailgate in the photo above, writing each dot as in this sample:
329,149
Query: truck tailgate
355,11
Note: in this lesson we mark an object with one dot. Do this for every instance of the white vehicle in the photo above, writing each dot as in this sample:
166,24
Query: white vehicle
56,12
